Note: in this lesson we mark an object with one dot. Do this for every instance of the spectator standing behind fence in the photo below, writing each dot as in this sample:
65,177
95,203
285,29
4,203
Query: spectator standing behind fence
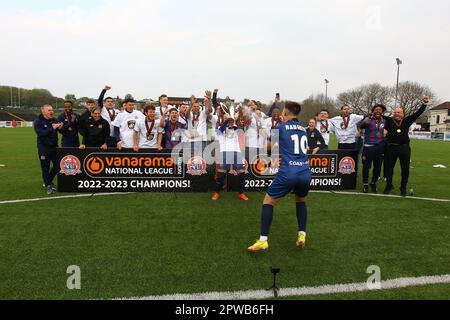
46,128
374,146
109,113
397,139
96,132
69,130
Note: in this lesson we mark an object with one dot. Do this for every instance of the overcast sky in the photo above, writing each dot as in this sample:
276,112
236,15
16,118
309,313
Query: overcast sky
246,48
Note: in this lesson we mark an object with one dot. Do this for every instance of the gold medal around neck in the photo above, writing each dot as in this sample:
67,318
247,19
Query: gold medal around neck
399,130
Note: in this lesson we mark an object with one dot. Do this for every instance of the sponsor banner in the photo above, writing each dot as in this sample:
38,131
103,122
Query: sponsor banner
16,124
92,170
441,136
420,135
331,170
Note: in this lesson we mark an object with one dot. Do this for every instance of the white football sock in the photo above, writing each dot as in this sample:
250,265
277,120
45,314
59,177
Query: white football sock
302,233
263,238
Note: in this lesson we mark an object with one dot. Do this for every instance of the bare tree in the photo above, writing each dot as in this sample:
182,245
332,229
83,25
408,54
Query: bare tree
314,104
363,98
410,96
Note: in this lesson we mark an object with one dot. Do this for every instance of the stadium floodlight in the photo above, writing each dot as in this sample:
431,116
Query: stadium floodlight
399,62
326,89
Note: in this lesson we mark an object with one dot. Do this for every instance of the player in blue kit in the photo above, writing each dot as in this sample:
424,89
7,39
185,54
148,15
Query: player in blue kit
294,175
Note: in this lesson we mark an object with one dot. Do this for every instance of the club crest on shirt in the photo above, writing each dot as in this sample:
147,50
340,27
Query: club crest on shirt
347,165
70,165
131,124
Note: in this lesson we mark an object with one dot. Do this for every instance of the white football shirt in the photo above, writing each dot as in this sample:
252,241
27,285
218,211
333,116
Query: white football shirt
150,141
126,122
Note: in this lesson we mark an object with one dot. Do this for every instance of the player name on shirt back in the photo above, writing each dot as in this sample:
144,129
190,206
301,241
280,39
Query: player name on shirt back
294,127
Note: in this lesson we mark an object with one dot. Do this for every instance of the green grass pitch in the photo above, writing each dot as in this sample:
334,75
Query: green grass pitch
145,244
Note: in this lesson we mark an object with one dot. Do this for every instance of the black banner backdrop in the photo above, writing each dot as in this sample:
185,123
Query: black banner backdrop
332,170
94,170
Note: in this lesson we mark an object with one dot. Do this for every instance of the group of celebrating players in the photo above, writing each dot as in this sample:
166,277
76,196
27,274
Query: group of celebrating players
234,130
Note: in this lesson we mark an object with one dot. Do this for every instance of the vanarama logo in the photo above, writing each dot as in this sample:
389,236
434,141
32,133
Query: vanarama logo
95,165
347,165
103,165
264,166
70,165
324,165
319,161
196,166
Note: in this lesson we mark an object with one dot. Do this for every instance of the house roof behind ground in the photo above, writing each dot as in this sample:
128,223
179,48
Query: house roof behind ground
442,106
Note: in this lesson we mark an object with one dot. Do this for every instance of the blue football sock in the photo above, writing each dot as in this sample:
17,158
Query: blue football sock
266,219
302,216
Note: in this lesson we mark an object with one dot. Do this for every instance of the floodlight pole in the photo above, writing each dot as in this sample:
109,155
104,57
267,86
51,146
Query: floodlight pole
399,62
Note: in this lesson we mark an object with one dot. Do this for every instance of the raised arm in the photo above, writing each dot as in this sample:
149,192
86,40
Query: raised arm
188,112
102,96
412,118
274,104
208,103
214,99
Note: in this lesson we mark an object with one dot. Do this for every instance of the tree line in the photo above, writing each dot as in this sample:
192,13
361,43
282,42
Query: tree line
360,99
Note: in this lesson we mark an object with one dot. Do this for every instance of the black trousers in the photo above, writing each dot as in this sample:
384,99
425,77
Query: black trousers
373,155
46,159
394,152
220,179
347,146
112,142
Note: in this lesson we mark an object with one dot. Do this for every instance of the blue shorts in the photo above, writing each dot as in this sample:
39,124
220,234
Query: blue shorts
228,159
285,182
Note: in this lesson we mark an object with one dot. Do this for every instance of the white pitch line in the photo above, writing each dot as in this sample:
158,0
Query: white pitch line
85,195
302,291
379,195
121,193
